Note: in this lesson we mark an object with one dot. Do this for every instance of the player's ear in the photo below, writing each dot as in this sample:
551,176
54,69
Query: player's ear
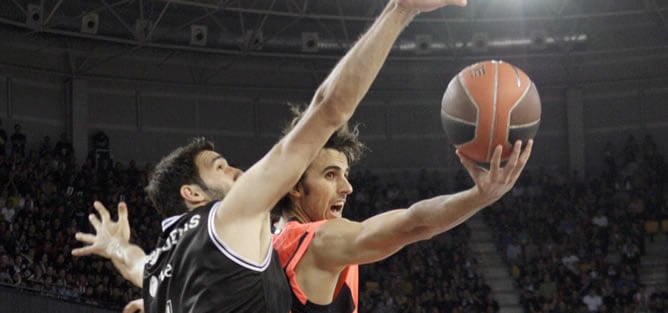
297,191
192,193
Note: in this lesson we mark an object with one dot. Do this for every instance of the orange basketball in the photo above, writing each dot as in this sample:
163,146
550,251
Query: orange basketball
488,104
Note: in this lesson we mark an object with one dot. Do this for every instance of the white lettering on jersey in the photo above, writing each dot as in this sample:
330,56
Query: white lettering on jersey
166,272
153,286
173,238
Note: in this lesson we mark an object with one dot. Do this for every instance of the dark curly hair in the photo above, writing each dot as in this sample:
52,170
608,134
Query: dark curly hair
345,140
173,171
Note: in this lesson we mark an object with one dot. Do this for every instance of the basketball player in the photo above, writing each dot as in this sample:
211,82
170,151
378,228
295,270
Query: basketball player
320,251
215,252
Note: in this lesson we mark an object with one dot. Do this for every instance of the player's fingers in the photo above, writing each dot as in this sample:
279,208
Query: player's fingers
104,214
469,165
509,169
523,159
495,164
94,221
82,251
122,211
85,238
134,306
459,3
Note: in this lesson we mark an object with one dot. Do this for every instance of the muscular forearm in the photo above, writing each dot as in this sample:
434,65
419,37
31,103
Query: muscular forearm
340,242
441,213
349,81
128,259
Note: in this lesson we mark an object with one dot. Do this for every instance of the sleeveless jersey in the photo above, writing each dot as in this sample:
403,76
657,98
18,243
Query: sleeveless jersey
291,244
193,271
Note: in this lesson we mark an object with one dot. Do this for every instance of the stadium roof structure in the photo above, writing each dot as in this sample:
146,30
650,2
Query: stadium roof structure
567,36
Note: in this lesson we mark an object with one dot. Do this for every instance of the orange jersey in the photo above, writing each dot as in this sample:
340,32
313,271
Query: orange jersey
291,244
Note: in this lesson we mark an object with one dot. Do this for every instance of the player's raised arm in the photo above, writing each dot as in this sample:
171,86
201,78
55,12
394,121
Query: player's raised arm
340,242
332,105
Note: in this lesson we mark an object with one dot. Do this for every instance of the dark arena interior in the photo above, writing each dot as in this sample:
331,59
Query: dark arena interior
94,92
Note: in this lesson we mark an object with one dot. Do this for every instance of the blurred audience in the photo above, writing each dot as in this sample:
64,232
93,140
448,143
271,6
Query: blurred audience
45,198
575,245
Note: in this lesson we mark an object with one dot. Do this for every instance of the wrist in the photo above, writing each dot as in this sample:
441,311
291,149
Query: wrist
480,198
405,12
115,249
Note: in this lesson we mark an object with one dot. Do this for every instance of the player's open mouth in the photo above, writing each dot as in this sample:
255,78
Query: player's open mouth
336,209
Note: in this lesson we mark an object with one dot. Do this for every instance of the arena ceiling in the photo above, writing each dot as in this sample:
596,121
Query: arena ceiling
615,39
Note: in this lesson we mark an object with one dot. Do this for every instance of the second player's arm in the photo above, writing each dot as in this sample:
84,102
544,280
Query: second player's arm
112,241
129,260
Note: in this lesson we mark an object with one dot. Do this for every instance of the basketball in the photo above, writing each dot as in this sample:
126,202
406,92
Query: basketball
488,104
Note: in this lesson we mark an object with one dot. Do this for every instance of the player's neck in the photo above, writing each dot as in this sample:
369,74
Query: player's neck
298,215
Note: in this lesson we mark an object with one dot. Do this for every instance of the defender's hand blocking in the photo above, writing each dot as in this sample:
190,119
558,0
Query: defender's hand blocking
134,306
495,182
108,234
429,5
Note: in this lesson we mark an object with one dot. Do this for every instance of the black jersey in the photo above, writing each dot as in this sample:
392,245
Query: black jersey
192,271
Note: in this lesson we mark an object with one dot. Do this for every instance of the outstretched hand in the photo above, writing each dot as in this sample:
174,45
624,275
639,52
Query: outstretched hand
134,306
108,234
497,181
429,5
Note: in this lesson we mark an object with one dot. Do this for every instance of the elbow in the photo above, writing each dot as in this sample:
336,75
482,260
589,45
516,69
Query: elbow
417,216
422,226
418,229
334,105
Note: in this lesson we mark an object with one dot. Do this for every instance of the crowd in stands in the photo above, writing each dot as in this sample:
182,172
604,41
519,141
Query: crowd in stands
46,197
574,245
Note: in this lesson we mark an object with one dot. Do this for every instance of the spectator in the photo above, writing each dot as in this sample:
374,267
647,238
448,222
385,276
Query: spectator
600,220
18,141
659,302
64,148
8,211
45,146
3,140
641,298
6,269
514,251
548,289
572,262
592,300
100,141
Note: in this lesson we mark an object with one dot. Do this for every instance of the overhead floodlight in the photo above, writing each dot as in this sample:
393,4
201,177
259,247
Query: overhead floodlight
423,44
253,39
198,35
479,42
538,40
142,29
90,23
34,16
310,42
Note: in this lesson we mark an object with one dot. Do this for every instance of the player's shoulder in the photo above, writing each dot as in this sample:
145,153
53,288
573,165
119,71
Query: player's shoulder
335,229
